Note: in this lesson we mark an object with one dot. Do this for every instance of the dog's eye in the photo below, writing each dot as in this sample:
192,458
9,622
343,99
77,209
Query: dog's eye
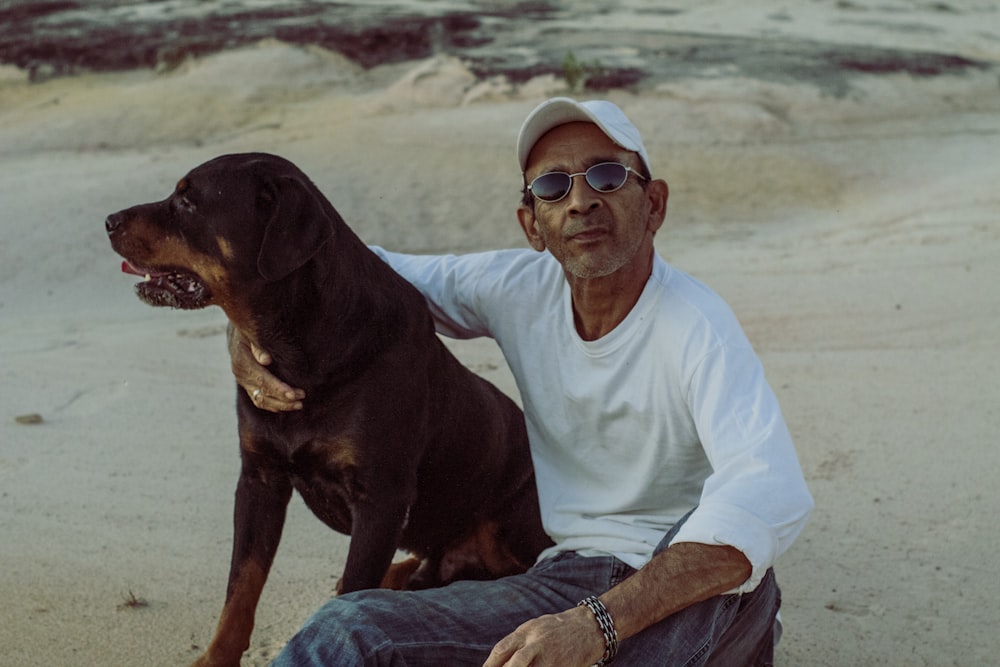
182,203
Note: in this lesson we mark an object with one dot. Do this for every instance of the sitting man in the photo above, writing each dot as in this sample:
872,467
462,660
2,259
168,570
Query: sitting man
666,475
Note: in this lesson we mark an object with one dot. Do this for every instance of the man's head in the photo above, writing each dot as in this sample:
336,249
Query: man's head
589,196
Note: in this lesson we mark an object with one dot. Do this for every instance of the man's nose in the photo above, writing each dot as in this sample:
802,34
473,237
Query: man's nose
582,198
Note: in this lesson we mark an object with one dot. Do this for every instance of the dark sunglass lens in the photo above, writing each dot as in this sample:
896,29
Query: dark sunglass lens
551,186
607,177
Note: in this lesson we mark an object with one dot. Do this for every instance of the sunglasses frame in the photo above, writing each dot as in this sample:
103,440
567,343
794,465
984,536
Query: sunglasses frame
586,177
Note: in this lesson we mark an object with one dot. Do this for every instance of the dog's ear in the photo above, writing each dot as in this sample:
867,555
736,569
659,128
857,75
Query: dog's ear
297,226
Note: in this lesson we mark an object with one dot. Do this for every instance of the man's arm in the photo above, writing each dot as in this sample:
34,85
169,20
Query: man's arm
676,578
437,277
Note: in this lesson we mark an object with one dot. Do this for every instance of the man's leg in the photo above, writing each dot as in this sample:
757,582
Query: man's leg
754,632
459,624
455,625
722,631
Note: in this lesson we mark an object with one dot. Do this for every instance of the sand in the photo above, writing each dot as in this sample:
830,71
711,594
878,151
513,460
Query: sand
856,236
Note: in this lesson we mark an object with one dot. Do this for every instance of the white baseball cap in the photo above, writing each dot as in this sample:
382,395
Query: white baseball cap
561,110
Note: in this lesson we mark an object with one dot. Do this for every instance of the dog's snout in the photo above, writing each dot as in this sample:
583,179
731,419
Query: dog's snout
113,222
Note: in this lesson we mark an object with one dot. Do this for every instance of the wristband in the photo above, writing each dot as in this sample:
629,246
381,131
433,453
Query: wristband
607,626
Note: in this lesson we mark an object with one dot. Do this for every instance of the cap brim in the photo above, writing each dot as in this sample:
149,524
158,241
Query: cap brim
561,110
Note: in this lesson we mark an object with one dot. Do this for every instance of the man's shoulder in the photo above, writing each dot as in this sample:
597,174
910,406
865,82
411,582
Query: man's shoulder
518,256
688,299
680,284
515,264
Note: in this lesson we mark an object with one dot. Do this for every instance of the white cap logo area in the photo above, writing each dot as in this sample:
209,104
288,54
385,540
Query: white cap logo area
561,110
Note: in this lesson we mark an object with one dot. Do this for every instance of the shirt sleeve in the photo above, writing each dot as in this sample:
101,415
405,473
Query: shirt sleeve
448,282
756,498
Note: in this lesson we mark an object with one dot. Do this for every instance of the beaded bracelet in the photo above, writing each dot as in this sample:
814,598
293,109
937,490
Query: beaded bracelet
607,626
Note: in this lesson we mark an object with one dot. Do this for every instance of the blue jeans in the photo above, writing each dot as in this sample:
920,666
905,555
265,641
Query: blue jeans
460,623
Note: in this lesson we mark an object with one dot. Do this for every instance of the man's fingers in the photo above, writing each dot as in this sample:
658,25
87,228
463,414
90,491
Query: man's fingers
498,656
262,357
505,652
555,640
271,387
269,393
283,402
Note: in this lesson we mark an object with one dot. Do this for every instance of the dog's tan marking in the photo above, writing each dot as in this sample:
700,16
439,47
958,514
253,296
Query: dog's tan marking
397,577
481,548
343,452
248,440
495,554
232,636
226,248
173,251
239,312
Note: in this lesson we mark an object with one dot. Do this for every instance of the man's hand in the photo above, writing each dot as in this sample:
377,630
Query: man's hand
265,390
569,639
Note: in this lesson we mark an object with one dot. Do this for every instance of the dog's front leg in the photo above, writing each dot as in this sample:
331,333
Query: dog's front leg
375,535
261,503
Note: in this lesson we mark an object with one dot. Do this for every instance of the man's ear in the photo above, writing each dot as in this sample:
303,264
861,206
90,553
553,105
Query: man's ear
529,224
657,194
297,226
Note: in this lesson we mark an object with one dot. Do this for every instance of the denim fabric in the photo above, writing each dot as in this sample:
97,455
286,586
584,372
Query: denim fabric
460,623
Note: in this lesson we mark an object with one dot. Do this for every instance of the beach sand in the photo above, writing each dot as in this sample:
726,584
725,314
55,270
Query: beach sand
856,236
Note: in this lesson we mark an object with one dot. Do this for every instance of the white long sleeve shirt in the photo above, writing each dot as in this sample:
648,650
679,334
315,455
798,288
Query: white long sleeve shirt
668,411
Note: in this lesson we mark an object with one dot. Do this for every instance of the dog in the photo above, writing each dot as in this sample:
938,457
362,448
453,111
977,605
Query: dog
397,445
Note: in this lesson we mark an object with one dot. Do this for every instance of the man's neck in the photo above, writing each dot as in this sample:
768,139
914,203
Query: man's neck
601,304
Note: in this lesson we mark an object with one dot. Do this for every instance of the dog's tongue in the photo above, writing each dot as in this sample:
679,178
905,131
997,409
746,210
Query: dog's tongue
128,267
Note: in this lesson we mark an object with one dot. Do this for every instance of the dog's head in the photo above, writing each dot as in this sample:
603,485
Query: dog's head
231,224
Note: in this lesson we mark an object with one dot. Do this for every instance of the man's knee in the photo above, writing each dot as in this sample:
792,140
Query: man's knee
751,637
344,631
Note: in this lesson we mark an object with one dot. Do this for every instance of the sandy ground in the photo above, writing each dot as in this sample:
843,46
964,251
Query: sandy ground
857,237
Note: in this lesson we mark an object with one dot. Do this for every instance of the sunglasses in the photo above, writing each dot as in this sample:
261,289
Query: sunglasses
604,177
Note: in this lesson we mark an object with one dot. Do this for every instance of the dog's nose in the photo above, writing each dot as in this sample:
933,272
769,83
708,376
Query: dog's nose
113,222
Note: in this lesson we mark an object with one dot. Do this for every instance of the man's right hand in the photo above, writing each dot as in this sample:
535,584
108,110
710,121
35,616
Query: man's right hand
249,366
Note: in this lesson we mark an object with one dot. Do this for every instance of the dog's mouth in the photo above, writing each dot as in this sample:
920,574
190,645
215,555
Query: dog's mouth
173,288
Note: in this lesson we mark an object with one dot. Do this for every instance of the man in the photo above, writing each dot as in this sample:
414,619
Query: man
666,474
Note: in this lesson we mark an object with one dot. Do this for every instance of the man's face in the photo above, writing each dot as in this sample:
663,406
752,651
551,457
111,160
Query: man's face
592,234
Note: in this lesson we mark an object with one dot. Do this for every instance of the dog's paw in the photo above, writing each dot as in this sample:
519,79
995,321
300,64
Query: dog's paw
399,574
208,660
261,656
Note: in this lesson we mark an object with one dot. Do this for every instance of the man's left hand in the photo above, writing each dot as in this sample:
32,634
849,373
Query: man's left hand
569,639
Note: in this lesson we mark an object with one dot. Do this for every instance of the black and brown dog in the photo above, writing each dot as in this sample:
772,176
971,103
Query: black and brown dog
397,445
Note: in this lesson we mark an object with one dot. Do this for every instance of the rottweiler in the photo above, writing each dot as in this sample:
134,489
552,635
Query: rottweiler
397,445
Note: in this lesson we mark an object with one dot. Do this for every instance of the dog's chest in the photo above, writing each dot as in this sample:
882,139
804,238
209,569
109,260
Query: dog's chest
325,472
